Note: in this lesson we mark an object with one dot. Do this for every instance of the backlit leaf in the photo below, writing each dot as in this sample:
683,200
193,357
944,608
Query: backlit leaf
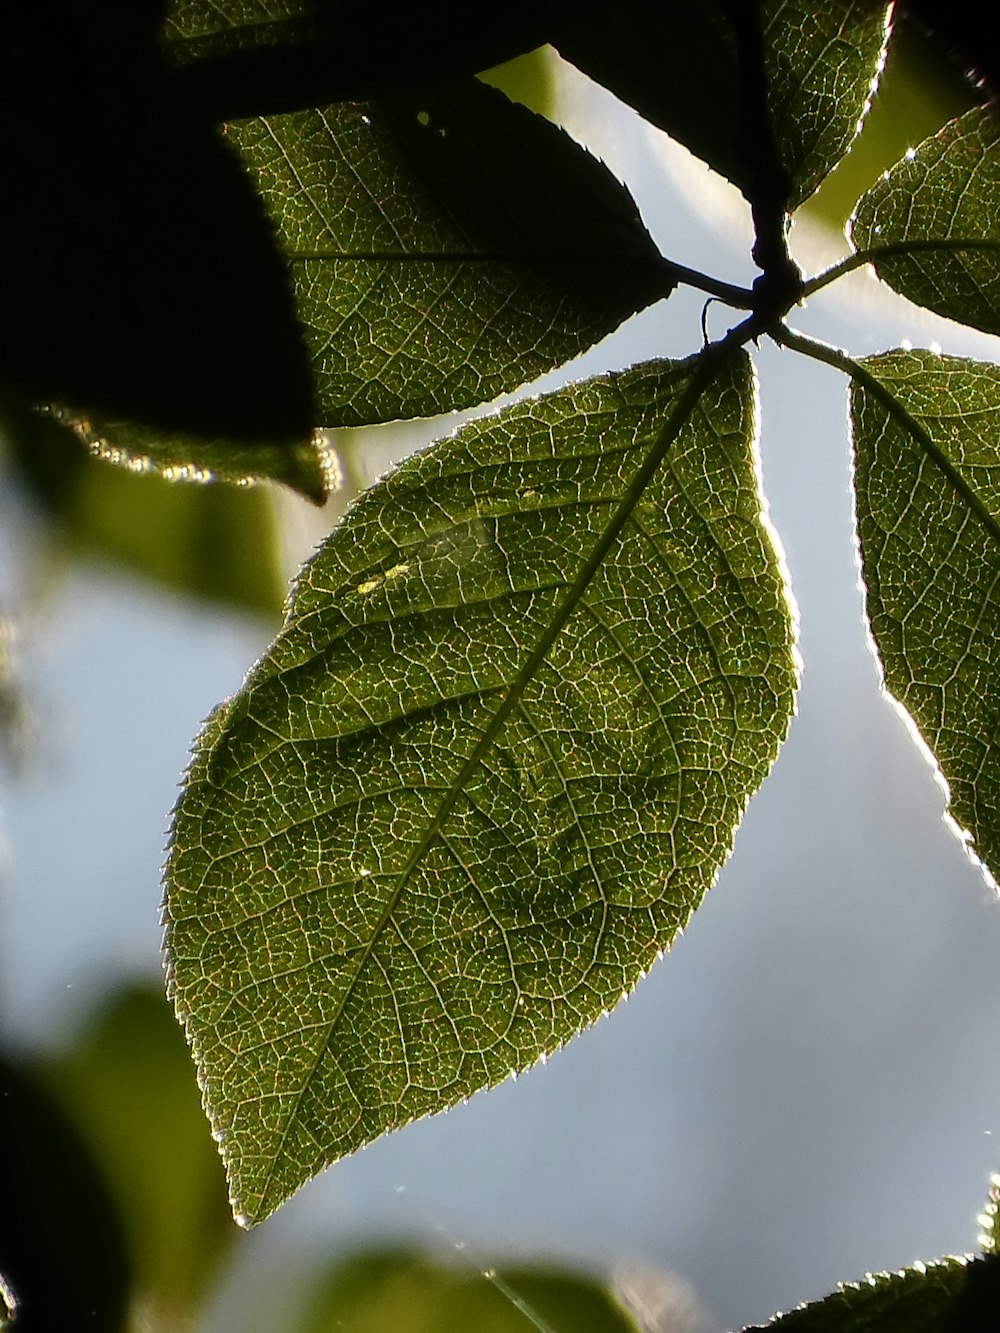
486,772
922,1299
446,246
929,528
677,65
945,202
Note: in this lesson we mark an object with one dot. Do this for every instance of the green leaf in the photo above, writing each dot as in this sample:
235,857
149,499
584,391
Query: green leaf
677,65
405,1292
486,772
944,203
126,1080
927,514
258,57
446,246
921,1299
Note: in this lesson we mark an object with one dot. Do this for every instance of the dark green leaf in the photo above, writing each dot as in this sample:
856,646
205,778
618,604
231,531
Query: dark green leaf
127,1082
486,772
945,203
407,1293
216,542
259,57
140,276
445,247
929,523
63,1254
922,1299
677,65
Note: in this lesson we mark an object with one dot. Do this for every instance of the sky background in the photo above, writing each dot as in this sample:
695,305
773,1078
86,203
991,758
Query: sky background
804,1090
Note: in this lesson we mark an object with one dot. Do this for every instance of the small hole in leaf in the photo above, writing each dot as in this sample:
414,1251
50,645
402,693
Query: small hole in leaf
423,117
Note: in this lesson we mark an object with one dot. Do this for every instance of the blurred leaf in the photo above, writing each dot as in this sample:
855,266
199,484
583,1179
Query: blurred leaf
949,192
176,456
127,1081
486,772
922,1299
928,514
919,90
446,247
989,1218
140,275
216,542
407,1293
259,57
677,65
62,1251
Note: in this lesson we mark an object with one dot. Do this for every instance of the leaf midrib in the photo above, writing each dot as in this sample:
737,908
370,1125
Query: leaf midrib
684,406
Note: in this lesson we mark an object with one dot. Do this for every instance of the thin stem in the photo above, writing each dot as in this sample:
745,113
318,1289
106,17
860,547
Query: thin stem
876,252
832,356
741,298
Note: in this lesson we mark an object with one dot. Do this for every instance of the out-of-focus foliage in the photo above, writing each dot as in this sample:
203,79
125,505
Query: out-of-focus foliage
124,1081
407,1293
63,1253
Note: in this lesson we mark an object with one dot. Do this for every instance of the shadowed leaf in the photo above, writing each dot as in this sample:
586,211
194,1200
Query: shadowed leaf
63,1253
259,57
486,772
140,275
446,247
922,1299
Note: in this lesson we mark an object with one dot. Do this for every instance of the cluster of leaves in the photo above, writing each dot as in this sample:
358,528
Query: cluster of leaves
499,750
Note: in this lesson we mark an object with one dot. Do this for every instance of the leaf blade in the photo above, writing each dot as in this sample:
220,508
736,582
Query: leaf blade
395,214
930,546
568,853
921,1299
820,64
945,193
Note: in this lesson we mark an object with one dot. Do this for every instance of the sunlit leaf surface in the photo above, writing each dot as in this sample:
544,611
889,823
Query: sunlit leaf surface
446,246
922,1299
486,772
677,64
929,524
948,192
